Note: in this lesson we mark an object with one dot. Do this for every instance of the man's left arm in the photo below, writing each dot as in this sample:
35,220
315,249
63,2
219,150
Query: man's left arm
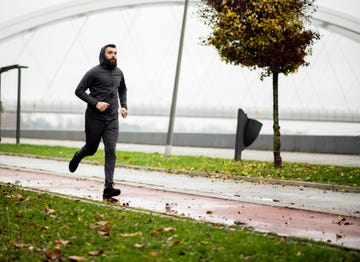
123,98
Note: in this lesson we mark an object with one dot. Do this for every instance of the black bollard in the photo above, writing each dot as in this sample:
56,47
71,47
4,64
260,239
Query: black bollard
246,133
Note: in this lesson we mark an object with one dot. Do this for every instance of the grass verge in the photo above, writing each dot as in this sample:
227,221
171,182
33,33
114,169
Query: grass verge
39,226
324,174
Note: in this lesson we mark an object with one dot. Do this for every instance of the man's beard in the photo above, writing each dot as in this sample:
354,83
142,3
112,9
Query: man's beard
110,63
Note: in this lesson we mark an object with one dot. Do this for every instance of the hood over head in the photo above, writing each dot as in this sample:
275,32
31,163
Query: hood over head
102,59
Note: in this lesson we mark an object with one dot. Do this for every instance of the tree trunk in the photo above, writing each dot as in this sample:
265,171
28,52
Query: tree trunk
276,127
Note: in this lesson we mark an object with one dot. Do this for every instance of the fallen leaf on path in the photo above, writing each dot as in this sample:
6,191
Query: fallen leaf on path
339,236
340,220
238,222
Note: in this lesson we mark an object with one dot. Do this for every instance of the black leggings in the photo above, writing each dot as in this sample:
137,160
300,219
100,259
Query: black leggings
108,130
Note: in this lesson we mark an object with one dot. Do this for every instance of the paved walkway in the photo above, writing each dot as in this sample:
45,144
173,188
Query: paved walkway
286,210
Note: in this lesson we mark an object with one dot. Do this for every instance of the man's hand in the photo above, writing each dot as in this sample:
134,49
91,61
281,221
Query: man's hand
102,106
123,112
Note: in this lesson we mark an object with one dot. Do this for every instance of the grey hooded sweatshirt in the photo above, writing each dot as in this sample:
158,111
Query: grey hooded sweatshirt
105,85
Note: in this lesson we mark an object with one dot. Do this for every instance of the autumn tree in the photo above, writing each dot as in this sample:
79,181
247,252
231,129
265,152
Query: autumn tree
262,34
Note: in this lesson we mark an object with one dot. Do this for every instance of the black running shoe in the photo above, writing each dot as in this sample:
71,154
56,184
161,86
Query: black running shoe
111,192
74,162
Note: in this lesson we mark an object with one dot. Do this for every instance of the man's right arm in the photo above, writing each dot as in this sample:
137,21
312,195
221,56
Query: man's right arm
81,89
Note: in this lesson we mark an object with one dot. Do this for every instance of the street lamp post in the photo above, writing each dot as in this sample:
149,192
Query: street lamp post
18,110
1,107
169,137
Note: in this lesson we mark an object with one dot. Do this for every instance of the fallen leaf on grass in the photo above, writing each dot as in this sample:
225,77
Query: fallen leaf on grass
49,211
176,242
283,239
18,196
131,234
164,229
53,255
112,200
105,231
59,243
97,252
168,229
102,223
18,244
76,258
44,228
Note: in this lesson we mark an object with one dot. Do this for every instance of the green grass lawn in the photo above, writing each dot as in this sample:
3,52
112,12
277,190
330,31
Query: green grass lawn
37,226
213,167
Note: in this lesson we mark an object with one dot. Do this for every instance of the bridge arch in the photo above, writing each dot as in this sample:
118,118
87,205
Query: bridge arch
329,19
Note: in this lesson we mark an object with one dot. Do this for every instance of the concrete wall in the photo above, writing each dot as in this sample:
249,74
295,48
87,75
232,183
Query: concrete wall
293,143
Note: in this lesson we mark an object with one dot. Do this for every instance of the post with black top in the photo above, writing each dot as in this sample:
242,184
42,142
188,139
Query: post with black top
18,110
246,132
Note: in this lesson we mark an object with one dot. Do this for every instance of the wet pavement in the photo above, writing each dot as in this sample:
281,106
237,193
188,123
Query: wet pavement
312,213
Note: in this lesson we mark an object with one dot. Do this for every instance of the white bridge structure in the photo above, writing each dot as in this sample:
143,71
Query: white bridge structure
60,42
329,19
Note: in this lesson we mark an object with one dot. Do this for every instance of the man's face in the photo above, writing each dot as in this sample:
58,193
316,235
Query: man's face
111,55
